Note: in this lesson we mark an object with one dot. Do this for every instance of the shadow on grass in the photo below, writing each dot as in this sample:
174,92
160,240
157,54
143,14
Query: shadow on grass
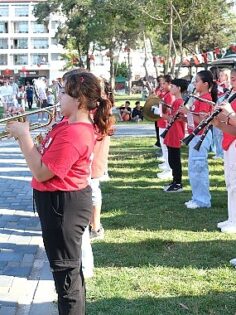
166,253
149,208
214,303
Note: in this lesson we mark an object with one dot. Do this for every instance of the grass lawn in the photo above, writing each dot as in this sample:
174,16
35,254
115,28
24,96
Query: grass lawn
158,257
120,99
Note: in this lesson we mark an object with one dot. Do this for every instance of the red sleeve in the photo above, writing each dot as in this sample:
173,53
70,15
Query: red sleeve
60,157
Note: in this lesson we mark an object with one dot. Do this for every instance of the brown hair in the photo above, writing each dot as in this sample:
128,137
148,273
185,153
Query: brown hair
83,85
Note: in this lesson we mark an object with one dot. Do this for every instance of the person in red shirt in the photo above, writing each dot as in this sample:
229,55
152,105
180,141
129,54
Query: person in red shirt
168,99
61,174
223,121
198,160
174,136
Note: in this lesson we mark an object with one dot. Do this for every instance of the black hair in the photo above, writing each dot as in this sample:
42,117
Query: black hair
207,76
182,83
167,78
137,102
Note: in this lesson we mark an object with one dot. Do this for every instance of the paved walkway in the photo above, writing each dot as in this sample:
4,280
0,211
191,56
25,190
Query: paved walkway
26,286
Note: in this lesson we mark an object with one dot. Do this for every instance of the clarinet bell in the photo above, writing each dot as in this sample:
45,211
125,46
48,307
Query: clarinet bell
164,133
198,145
187,139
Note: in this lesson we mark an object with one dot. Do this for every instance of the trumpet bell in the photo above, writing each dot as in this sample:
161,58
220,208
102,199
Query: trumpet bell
148,114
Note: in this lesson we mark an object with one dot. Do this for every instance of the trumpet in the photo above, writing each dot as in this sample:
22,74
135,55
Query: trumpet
50,111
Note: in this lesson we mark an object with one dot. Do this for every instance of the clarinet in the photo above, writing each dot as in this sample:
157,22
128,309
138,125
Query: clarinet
175,117
203,136
206,121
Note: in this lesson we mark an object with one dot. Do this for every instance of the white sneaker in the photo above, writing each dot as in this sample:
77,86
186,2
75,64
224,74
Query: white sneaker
230,228
164,174
192,205
223,223
233,262
187,202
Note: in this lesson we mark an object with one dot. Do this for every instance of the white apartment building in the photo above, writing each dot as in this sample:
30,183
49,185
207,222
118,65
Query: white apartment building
27,49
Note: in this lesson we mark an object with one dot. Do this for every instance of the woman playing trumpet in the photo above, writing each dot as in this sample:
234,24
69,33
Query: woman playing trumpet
198,160
61,171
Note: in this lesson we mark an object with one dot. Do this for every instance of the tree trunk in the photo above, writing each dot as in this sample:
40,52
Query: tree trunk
112,69
170,38
180,51
145,57
129,73
154,58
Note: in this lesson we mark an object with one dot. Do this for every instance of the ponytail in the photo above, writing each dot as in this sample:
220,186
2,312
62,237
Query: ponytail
214,92
103,119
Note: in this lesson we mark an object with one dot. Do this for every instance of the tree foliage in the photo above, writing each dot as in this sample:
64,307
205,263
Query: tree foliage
171,25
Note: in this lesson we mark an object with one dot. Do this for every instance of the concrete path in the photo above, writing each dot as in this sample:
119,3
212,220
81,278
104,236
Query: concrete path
26,286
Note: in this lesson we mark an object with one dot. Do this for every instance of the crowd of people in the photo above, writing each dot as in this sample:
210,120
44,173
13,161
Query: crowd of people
16,98
127,113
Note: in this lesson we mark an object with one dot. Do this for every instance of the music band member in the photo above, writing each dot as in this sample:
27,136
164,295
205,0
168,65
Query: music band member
198,160
174,136
61,173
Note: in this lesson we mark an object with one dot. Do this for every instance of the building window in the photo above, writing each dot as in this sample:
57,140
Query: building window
40,43
56,57
54,42
20,59
39,59
3,60
3,43
21,27
20,43
3,27
4,10
22,10
39,28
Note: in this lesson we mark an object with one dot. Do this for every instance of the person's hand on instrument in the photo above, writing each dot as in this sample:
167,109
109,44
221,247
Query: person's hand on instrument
17,129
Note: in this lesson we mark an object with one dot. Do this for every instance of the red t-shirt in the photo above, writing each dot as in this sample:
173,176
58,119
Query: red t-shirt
168,98
227,138
176,132
201,107
67,152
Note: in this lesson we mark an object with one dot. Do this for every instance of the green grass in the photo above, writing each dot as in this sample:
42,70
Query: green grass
120,99
158,257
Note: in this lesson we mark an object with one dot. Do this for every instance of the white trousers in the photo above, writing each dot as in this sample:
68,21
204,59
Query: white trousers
230,180
164,148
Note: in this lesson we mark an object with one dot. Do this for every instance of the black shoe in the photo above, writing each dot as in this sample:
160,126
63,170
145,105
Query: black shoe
174,188
168,185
